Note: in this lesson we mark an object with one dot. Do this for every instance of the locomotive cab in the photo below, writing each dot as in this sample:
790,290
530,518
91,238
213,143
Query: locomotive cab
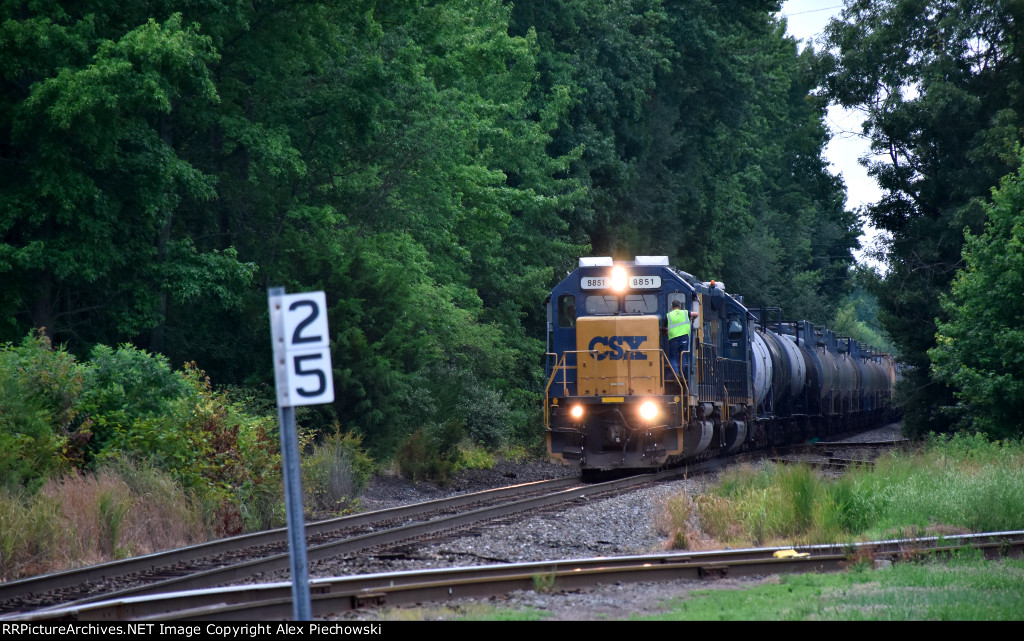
613,399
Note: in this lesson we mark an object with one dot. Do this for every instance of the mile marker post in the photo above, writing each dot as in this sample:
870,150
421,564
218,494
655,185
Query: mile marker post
302,376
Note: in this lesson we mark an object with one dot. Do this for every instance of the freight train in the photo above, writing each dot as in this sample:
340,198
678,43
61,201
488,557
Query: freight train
748,379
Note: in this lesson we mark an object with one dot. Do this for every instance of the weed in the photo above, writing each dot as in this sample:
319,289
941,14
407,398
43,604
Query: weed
335,473
544,583
952,485
475,458
112,509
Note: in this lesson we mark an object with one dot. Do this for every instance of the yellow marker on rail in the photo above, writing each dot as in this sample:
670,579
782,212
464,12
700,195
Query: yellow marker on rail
790,554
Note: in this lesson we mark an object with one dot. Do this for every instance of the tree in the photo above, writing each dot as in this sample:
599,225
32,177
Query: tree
167,167
979,350
92,102
701,140
939,83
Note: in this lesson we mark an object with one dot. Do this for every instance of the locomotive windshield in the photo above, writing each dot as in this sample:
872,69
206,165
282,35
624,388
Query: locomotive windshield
598,305
629,304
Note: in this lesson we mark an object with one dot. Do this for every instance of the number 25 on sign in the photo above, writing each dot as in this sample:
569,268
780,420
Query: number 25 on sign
302,354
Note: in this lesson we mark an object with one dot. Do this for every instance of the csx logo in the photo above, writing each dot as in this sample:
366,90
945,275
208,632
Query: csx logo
615,345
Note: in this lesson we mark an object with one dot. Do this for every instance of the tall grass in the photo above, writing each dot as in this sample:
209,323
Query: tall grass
958,484
335,473
965,482
28,534
122,510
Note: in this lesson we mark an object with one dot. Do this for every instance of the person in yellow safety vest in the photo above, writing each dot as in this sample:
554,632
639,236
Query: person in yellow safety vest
678,325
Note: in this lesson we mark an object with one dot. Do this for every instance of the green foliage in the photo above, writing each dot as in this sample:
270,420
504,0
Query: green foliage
335,473
979,349
939,84
475,458
122,387
958,484
57,415
431,453
963,481
701,140
858,316
39,387
29,529
230,461
962,588
846,323
93,97
432,166
112,509
544,583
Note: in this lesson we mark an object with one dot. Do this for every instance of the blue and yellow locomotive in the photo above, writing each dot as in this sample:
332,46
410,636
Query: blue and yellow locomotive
614,400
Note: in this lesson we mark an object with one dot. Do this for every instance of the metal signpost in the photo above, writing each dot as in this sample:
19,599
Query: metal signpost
303,376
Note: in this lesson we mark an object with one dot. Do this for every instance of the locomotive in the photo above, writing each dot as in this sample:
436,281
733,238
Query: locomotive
748,380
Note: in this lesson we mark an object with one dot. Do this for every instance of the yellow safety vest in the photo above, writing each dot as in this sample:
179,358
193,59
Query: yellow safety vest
678,323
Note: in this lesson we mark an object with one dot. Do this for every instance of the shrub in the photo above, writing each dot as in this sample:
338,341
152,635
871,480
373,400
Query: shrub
38,388
123,387
431,453
336,473
475,458
486,415
228,461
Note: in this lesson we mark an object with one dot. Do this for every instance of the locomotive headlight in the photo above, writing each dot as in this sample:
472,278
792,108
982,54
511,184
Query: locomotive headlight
648,410
576,412
619,278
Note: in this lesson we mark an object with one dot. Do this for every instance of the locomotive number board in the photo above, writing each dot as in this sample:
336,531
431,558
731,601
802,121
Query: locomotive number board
635,282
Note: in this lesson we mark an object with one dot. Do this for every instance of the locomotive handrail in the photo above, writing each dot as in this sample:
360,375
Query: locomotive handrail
629,366
684,387
726,404
559,366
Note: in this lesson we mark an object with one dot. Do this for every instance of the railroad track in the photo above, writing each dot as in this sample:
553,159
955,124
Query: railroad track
836,456
831,463
335,596
188,567
238,559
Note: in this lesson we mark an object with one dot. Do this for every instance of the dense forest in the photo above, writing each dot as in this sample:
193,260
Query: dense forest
939,83
436,166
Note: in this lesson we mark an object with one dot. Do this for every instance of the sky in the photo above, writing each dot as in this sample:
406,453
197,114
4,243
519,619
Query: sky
806,19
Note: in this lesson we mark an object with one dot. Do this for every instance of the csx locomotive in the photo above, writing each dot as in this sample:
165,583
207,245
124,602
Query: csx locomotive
748,380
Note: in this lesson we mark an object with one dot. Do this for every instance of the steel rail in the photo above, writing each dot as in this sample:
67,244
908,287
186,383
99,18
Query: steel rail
277,537
391,536
234,572
244,570
342,594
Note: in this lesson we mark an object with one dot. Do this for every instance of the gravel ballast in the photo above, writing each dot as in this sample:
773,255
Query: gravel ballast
621,525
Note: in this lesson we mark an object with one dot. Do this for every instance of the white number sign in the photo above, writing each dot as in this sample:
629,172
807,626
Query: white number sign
302,353
595,282
645,282
635,282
